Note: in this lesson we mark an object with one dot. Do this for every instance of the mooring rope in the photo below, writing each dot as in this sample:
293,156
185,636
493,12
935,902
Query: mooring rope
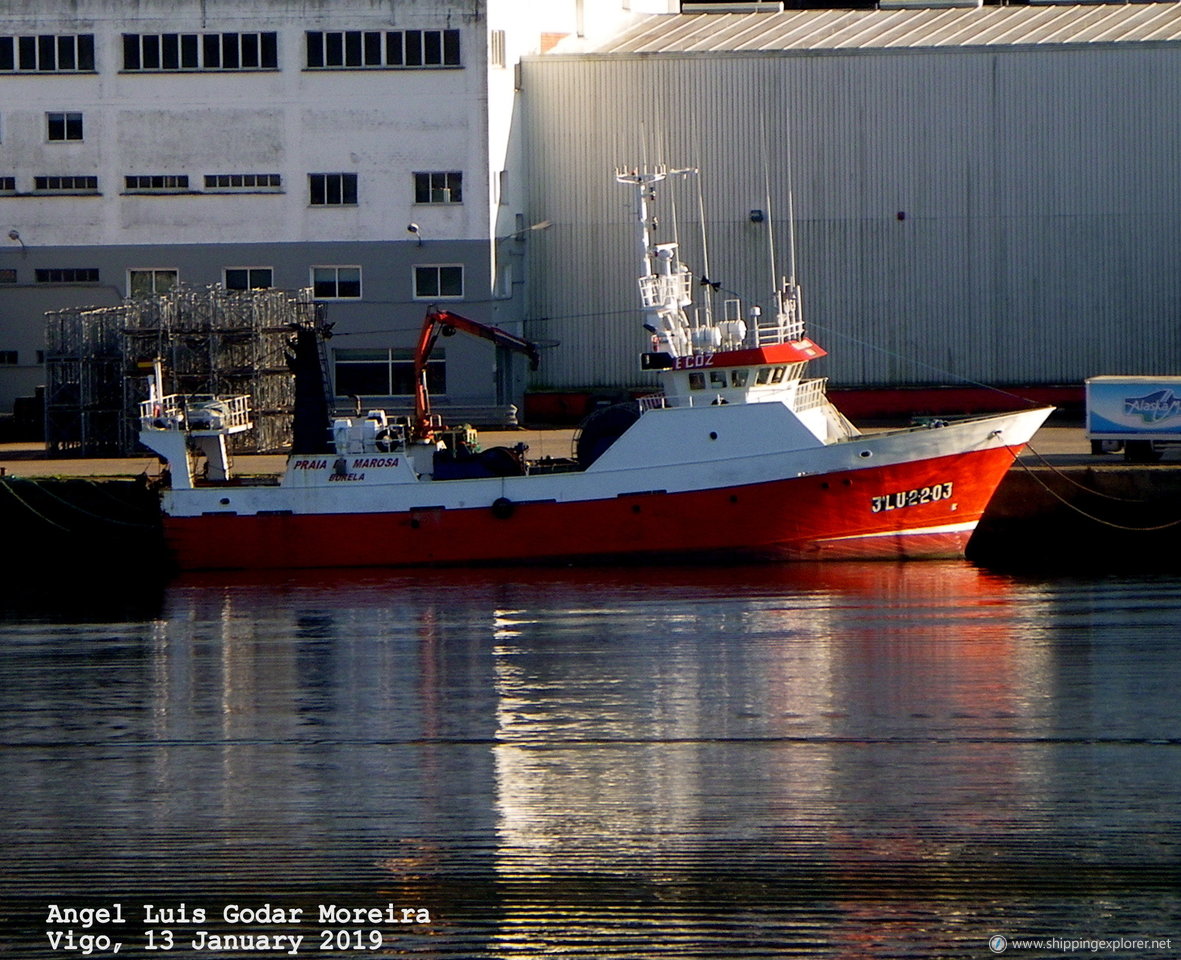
1090,516
1069,479
6,483
92,515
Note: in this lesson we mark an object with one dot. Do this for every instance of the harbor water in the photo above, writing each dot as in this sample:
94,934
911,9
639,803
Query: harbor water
834,761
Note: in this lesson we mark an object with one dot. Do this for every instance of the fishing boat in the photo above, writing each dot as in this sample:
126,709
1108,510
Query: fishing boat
737,456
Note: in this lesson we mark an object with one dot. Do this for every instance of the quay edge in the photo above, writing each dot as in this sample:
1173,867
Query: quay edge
1092,513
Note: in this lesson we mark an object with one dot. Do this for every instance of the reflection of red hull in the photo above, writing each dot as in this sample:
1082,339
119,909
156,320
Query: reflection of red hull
854,514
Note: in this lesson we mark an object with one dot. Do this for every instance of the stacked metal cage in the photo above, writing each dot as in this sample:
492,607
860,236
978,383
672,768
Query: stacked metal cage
210,340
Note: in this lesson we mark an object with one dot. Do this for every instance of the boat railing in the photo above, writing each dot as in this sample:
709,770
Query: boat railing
810,394
196,412
657,289
762,329
657,401
163,413
662,402
773,330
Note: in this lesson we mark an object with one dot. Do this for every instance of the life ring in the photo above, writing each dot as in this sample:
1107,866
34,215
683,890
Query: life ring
385,441
503,508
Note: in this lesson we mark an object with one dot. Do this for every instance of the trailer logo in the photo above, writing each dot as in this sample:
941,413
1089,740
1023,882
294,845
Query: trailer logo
1153,408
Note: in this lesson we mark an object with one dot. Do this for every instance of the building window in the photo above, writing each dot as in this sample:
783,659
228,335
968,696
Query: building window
376,49
385,373
7,275
65,184
8,358
7,184
156,183
332,189
147,283
336,283
438,282
249,278
147,52
438,187
244,182
71,53
66,275
63,126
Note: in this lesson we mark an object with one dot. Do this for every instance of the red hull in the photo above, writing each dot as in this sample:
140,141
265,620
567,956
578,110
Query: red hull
859,514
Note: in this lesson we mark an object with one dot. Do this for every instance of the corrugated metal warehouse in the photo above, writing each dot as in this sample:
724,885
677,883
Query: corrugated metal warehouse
983,194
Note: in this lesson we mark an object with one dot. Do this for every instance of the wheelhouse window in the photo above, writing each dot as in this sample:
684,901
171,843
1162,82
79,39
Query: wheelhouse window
381,49
332,189
444,282
336,283
438,187
772,375
385,372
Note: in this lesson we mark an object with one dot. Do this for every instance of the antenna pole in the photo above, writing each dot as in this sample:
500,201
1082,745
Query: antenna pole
767,201
708,300
791,210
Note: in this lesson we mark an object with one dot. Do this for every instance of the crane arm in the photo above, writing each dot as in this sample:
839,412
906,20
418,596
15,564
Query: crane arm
447,323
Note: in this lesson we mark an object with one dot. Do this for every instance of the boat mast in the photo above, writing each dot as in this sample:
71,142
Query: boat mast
665,283
791,306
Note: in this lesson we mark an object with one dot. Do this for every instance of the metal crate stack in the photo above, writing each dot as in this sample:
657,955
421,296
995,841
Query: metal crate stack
211,341
83,372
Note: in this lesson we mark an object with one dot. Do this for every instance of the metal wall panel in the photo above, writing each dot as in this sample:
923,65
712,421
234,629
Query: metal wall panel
1001,215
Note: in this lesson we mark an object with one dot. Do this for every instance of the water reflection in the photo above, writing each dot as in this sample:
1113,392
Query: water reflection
837,760
783,756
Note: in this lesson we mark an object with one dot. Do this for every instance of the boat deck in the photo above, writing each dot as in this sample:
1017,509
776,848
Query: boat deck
1063,445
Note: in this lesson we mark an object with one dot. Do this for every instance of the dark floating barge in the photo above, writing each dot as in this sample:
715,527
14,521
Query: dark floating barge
80,524
1095,513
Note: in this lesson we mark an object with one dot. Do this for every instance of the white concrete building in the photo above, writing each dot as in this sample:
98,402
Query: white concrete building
275,143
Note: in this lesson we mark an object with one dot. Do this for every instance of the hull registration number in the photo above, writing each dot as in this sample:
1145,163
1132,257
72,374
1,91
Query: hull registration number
911,498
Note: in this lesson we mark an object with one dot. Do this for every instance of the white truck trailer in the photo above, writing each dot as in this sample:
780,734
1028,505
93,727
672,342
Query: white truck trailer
1140,414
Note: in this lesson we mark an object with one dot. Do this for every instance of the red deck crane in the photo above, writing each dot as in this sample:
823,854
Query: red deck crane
447,323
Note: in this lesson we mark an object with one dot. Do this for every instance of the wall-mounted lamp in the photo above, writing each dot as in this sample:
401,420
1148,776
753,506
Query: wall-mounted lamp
756,216
520,234
14,235
413,228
